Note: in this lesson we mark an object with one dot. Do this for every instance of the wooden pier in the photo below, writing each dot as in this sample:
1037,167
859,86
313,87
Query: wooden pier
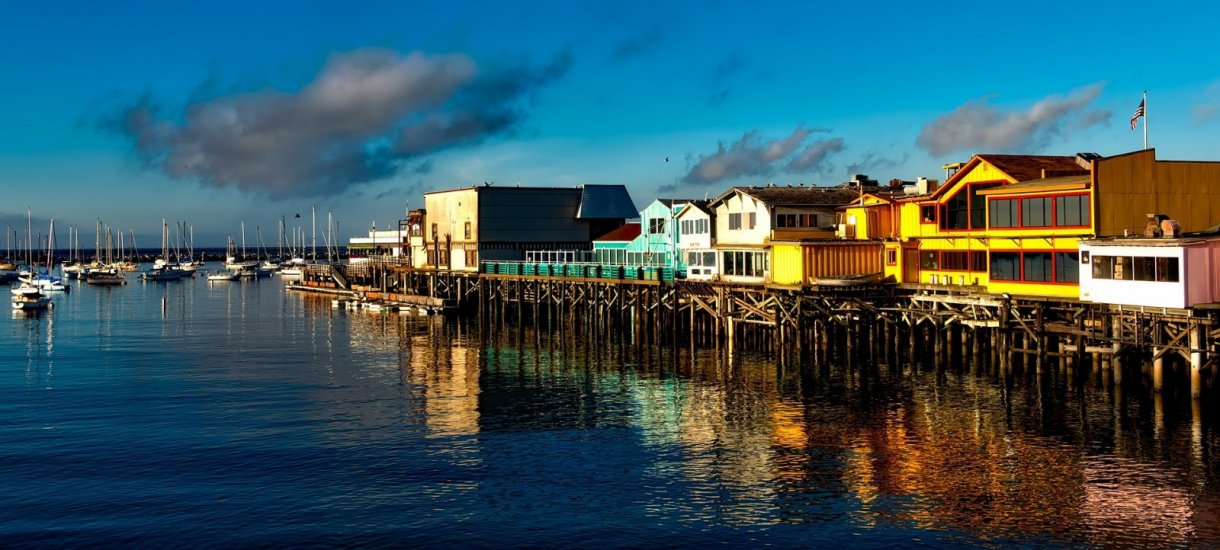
868,325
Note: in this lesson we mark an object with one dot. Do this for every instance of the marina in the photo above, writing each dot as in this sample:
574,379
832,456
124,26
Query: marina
430,421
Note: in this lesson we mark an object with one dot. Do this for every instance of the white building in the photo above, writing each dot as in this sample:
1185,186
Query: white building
696,229
747,219
1168,273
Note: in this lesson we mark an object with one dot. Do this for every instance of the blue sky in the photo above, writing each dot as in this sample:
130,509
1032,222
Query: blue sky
221,112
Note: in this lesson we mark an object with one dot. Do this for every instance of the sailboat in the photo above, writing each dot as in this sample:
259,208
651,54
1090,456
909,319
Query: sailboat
162,269
108,274
43,279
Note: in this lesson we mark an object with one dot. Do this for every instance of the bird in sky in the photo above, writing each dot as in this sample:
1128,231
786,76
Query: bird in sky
297,216
666,159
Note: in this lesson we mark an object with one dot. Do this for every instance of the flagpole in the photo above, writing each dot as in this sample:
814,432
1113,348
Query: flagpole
1145,119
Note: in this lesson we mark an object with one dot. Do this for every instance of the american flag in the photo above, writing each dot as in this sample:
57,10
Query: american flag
1139,112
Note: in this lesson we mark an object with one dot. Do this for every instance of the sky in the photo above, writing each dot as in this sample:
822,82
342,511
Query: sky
214,114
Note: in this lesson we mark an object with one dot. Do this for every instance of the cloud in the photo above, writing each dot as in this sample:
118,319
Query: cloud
365,116
811,158
637,45
978,126
873,161
753,156
668,188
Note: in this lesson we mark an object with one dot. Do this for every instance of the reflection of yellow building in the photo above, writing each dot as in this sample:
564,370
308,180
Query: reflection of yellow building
448,376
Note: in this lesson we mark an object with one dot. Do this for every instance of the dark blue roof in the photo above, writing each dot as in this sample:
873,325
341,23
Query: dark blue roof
605,202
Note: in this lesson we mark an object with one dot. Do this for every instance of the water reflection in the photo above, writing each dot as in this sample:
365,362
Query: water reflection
741,442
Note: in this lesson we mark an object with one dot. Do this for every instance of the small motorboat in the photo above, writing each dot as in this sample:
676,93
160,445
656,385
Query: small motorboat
29,298
105,278
224,276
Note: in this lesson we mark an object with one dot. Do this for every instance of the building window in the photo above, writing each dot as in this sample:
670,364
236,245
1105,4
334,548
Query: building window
954,260
929,259
435,234
656,226
891,257
978,261
467,230
1072,211
1004,213
966,209
927,214
735,221
1037,267
1067,267
744,263
1036,212
472,257
1006,266
1103,267
753,220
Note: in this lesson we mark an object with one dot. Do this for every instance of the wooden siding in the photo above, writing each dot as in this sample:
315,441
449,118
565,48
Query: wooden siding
1128,187
803,263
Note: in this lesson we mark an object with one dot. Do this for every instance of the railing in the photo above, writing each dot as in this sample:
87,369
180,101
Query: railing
582,270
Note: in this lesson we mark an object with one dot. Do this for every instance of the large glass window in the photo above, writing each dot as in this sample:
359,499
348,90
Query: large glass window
1136,268
954,260
1006,266
1167,270
735,220
929,259
1067,267
1103,267
978,260
966,209
1143,269
1038,266
1072,211
656,226
1036,212
1004,213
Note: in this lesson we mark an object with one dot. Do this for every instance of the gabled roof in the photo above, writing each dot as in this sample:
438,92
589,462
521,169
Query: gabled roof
605,202
795,196
625,233
1018,167
1029,167
671,202
700,205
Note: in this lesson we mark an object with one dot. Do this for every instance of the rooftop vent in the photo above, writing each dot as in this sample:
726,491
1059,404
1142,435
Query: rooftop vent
1085,160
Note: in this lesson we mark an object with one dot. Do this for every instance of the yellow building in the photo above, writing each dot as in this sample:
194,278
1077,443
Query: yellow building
946,237
1013,223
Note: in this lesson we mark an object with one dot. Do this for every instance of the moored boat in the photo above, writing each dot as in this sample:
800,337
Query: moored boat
224,276
28,298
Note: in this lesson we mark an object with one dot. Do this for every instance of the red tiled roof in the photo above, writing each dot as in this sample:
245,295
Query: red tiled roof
627,232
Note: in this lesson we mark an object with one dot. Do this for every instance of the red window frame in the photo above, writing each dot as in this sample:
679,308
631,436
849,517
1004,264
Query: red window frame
1054,213
1021,266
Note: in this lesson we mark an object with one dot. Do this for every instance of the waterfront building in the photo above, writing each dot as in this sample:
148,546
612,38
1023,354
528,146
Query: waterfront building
697,229
1169,272
657,243
945,234
748,219
500,223
611,248
403,244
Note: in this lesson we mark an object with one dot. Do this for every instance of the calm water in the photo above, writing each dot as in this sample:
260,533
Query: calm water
241,414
